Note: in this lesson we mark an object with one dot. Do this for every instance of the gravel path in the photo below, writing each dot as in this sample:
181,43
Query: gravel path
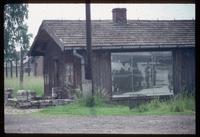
28,123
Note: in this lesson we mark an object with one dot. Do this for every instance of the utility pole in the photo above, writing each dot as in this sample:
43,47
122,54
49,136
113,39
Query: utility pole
89,75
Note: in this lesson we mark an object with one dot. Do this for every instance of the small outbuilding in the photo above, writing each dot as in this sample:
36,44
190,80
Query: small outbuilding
128,55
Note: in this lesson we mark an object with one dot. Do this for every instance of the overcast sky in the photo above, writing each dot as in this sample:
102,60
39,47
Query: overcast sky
39,12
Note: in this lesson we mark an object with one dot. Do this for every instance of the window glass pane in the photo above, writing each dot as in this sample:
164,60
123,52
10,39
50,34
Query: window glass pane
142,73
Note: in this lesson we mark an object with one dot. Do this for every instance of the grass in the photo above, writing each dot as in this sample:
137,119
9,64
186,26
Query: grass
30,83
180,106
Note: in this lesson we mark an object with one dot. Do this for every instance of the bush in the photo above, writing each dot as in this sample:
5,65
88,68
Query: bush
78,94
87,101
190,103
142,108
94,101
90,101
176,108
155,103
97,100
182,102
100,99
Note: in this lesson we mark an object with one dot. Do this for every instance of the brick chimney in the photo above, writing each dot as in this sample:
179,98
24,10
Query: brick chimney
119,15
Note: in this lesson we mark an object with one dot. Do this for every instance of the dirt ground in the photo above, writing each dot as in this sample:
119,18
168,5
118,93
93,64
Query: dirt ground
29,123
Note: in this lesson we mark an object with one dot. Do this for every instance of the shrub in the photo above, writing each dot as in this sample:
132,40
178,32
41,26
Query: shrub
176,108
90,101
155,103
87,101
97,100
182,102
190,103
78,93
142,108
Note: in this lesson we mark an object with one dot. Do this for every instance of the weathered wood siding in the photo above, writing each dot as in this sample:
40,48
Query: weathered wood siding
37,66
184,70
70,58
102,73
53,67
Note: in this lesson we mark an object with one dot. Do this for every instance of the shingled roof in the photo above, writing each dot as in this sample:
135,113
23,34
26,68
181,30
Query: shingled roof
106,33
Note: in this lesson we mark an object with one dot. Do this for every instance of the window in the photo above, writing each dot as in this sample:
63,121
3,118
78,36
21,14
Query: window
142,73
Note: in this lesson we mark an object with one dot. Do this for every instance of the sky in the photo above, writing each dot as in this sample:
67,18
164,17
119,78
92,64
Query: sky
39,12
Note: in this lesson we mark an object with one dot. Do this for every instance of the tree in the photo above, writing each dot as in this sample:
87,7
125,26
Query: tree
17,58
23,41
14,16
16,32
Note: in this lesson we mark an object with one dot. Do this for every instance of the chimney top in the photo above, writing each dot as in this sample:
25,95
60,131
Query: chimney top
119,15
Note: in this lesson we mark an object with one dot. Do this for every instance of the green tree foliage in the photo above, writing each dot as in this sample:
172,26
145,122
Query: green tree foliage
15,29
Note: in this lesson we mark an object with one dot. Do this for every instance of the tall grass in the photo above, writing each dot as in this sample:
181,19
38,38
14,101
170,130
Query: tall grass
183,105
29,83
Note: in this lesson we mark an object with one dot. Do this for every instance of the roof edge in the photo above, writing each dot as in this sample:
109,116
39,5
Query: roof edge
139,46
34,41
53,36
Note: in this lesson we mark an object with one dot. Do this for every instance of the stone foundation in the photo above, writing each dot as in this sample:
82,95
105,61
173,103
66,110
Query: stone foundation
37,103
28,99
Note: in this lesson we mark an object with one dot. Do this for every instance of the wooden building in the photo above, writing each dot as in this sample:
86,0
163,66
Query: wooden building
37,65
62,43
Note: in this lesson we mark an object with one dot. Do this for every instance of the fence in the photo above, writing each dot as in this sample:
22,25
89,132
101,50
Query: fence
13,70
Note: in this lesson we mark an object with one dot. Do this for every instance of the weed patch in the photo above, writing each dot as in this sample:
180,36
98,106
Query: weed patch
178,106
31,83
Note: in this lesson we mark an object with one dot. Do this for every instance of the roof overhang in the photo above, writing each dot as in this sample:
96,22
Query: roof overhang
41,41
133,47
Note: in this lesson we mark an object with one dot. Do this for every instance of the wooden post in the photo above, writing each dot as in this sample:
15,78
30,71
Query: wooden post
11,71
88,42
89,70
16,62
